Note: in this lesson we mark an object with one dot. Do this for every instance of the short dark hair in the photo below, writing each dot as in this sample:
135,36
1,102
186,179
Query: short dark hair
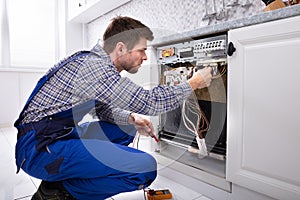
126,30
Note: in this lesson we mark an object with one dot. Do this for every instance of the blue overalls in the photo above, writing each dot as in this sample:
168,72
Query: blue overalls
92,160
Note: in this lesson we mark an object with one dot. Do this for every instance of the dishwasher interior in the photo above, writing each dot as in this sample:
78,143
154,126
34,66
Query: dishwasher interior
195,132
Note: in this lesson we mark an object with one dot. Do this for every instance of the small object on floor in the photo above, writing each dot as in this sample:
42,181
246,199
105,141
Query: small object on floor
53,191
158,194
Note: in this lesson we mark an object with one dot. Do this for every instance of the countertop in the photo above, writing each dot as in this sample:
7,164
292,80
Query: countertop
263,17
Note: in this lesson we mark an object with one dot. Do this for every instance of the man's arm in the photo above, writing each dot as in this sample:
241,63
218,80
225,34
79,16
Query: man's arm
104,112
122,117
106,85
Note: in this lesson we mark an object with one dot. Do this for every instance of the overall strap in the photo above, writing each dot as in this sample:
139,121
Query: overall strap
46,77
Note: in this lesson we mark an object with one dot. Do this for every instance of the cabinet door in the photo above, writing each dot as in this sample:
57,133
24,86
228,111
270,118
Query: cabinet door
264,108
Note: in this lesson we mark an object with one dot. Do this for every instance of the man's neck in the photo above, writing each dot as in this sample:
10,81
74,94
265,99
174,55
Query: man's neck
114,59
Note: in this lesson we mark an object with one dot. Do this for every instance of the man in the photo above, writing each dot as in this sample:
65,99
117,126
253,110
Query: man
92,160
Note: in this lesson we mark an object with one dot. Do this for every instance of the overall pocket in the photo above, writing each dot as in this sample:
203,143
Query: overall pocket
53,132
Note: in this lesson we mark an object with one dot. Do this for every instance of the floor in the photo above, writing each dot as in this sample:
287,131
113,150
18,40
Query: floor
21,186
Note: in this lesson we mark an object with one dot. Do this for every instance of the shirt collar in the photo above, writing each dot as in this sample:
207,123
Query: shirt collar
102,53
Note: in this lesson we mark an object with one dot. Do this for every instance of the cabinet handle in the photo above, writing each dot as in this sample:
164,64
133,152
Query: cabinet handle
230,49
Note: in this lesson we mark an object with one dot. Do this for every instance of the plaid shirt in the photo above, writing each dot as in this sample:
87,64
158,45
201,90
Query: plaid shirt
95,77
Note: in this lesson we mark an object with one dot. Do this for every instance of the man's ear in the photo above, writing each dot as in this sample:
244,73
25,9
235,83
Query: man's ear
121,48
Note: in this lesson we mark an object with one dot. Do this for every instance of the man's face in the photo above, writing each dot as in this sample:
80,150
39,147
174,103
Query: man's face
131,60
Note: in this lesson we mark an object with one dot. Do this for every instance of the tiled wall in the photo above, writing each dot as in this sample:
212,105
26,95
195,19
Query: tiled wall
175,16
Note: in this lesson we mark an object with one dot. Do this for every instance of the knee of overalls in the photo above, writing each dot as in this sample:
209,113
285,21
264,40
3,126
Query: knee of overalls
151,172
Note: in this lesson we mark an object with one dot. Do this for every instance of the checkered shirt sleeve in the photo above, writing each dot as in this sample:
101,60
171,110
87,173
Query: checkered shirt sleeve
96,78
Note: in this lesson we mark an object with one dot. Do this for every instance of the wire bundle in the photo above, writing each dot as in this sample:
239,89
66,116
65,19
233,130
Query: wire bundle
220,71
195,121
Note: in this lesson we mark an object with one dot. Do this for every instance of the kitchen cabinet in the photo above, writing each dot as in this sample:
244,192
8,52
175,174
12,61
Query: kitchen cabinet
263,135
90,9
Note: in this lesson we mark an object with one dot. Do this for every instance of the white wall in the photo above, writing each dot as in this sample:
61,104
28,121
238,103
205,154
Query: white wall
15,88
17,82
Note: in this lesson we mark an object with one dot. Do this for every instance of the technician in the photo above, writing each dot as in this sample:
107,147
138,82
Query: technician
92,160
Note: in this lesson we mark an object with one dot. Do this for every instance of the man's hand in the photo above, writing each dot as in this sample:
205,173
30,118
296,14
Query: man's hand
143,125
201,78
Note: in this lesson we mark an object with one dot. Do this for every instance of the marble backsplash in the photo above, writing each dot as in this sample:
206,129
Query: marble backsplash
175,16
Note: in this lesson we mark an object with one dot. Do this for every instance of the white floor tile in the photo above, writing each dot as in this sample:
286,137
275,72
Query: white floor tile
25,198
13,186
179,192
23,187
36,181
135,195
203,198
